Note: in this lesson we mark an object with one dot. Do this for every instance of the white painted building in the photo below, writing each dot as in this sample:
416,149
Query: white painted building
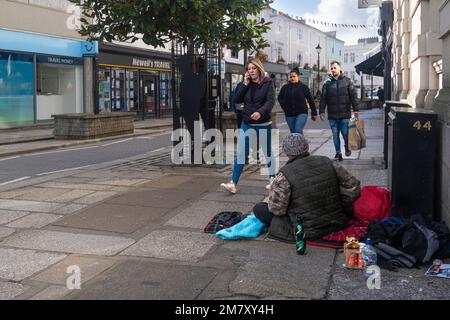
355,54
293,40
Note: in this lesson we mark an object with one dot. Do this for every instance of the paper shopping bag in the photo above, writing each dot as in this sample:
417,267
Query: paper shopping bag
354,140
361,132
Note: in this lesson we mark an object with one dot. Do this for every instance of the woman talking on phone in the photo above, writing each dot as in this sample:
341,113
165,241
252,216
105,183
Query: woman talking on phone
258,96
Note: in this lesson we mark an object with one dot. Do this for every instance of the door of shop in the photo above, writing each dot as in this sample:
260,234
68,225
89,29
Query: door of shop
150,103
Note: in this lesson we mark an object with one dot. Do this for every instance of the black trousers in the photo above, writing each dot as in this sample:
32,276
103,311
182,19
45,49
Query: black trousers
261,211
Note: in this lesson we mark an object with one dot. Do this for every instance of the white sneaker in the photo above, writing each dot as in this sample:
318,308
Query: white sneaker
270,183
230,186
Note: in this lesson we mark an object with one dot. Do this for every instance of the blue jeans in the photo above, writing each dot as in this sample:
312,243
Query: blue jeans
297,123
243,148
339,126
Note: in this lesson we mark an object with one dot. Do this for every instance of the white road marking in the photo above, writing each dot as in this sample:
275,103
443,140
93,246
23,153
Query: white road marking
160,149
10,158
50,152
12,181
70,169
110,144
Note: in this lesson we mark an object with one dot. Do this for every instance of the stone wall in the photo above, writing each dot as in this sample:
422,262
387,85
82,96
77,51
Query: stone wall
89,126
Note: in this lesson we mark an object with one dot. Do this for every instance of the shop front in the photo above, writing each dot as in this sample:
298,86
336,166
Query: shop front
40,76
136,80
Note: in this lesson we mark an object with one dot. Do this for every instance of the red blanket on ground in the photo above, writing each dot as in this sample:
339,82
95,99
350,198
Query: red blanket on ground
374,203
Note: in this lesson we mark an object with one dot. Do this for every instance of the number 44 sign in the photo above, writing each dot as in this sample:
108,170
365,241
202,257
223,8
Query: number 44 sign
362,4
425,126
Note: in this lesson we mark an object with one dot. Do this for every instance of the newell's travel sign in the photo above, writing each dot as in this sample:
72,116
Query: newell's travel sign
369,4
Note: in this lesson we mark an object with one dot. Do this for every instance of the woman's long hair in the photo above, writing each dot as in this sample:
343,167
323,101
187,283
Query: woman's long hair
258,64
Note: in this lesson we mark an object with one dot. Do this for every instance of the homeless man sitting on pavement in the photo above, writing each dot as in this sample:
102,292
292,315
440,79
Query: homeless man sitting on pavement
307,187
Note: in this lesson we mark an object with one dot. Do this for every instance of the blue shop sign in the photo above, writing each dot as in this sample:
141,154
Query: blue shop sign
59,60
43,44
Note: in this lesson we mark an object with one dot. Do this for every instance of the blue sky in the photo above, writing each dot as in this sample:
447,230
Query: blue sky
296,7
335,11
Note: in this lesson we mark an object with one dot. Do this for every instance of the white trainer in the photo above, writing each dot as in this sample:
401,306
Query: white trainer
230,186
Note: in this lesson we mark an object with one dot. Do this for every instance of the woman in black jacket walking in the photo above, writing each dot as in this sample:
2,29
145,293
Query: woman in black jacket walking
292,99
258,96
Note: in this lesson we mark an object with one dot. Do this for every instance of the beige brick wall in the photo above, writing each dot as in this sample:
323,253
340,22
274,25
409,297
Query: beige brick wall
47,17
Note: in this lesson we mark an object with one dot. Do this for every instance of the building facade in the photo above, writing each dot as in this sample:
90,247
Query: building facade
134,79
365,84
421,74
334,48
45,67
293,42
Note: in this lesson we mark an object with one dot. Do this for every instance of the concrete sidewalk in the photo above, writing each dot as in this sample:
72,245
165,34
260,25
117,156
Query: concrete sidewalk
135,231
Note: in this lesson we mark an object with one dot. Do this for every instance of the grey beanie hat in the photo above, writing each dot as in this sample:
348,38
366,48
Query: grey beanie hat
295,144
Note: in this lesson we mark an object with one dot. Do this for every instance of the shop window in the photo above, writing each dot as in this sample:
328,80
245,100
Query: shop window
59,90
118,96
104,89
165,94
16,89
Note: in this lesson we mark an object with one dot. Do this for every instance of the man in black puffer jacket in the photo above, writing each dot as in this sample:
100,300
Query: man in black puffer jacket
339,95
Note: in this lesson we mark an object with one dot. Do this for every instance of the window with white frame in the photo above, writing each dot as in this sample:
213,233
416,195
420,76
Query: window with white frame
352,57
279,52
300,58
352,75
345,57
234,54
300,34
368,77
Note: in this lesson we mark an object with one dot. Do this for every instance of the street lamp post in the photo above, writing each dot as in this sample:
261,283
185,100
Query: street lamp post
318,49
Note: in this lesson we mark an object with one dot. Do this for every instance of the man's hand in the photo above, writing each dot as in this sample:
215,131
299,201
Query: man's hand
313,118
255,116
356,113
322,116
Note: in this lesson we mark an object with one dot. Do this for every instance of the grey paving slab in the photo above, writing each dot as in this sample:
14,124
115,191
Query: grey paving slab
406,284
95,197
20,264
201,212
119,182
74,179
52,293
41,194
68,242
34,221
145,280
90,267
11,194
10,290
114,218
285,273
156,198
173,245
78,186
70,208
5,232
228,197
252,183
71,195
7,216
167,182
32,206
